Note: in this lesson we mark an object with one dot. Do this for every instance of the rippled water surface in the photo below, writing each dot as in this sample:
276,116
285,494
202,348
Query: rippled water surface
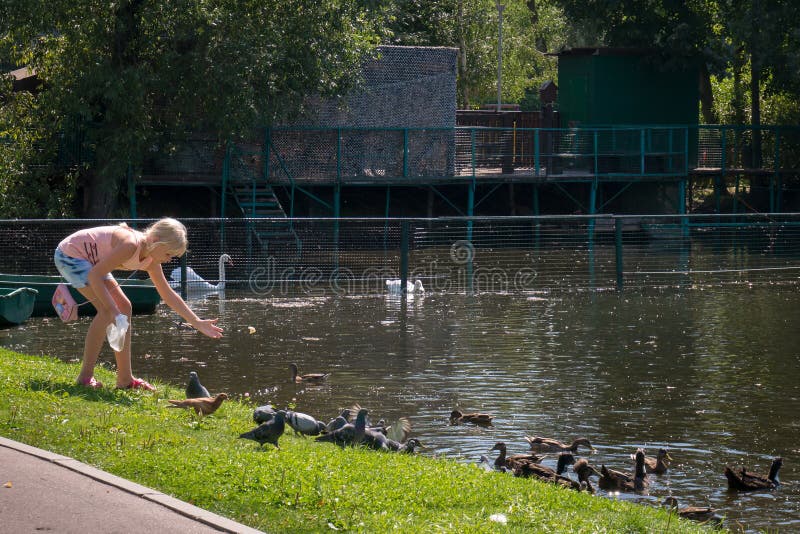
713,375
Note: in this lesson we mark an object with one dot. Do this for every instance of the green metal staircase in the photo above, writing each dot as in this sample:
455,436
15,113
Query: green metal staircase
257,200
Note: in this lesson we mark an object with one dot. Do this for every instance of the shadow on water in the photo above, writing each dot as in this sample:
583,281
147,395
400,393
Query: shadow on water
712,375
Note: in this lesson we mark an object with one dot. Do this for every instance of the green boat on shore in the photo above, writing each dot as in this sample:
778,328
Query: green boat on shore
16,304
142,293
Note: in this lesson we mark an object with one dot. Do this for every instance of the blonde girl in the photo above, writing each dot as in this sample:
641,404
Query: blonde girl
87,257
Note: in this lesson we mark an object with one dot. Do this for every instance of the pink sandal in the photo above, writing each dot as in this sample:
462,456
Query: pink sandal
138,383
91,382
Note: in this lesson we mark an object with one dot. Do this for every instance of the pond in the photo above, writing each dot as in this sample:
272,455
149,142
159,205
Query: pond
713,375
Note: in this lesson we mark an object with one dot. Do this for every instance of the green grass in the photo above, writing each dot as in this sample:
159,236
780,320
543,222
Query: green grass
304,486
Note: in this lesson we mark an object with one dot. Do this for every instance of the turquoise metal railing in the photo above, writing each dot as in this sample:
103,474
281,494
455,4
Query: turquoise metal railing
421,155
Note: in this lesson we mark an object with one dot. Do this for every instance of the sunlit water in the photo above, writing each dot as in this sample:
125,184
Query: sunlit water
712,375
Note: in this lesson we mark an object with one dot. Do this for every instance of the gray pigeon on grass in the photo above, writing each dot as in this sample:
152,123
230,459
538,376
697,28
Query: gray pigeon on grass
304,424
262,414
194,389
268,432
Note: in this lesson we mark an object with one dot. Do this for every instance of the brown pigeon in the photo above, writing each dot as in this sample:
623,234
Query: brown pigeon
201,405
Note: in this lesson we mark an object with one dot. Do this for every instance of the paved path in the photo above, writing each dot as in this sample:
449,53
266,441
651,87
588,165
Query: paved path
45,492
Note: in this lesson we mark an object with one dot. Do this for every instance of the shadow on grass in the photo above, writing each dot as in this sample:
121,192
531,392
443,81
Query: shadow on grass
72,389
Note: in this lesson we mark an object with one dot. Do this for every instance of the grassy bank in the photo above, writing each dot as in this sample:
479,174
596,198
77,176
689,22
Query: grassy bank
304,487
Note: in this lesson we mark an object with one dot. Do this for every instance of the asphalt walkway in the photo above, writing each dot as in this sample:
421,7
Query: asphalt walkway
46,492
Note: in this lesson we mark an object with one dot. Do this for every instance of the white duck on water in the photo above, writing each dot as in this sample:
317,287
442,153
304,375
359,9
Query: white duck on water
394,287
195,283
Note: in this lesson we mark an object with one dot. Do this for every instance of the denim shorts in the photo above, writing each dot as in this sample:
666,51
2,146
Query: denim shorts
74,270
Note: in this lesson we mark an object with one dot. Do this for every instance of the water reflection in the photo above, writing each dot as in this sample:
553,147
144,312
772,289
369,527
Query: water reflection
711,375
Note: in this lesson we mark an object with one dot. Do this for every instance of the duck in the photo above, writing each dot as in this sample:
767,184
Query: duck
540,444
659,464
584,470
740,479
394,287
509,462
297,378
196,283
547,474
695,513
476,418
618,481
202,405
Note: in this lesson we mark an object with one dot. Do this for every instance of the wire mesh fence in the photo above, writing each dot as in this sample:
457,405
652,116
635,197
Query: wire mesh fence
326,257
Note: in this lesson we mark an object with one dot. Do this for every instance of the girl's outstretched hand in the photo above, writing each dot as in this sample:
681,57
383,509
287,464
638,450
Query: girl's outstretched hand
209,327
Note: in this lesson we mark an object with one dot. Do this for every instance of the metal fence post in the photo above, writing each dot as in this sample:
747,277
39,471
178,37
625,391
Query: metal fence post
403,257
132,192
618,249
184,273
405,152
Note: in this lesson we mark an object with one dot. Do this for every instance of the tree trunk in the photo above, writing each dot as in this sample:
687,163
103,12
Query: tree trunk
755,106
707,97
462,59
99,195
738,89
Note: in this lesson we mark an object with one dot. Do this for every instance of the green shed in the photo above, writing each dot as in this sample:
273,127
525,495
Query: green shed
615,86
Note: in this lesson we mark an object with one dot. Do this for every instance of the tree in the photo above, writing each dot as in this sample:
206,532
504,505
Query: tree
472,26
125,74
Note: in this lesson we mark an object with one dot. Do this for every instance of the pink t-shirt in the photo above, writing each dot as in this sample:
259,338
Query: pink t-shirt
93,244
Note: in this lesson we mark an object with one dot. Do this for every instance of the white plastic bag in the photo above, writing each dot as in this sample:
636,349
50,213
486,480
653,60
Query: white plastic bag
116,332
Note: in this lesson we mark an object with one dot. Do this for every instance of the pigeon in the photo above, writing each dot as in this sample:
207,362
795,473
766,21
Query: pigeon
304,424
349,434
486,464
397,431
268,432
410,446
194,389
375,440
310,377
338,422
262,414
201,405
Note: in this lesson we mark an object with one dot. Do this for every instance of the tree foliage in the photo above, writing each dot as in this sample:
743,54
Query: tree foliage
529,30
127,73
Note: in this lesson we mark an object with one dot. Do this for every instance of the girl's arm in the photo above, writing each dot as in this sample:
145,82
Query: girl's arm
206,326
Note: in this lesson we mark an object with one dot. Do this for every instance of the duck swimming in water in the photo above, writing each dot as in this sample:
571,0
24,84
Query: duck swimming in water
740,479
659,464
618,481
476,418
540,444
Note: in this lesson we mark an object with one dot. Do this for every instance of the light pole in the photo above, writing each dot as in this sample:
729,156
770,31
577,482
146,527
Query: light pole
500,8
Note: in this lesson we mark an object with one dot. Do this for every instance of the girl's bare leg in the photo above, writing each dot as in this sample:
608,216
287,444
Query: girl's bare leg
96,335
123,357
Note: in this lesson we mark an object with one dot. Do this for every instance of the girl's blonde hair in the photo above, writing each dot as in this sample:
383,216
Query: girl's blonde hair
168,231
